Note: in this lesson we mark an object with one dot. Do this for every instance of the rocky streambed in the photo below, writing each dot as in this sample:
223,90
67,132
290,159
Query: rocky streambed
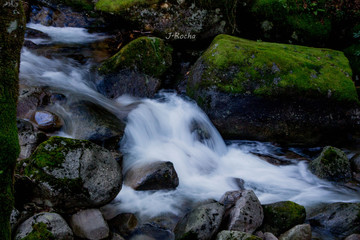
121,130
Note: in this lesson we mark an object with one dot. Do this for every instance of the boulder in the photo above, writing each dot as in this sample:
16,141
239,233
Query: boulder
332,164
269,236
29,139
244,212
44,226
148,55
281,216
275,92
73,173
340,219
30,99
201,223
89,224
151,231
47,121
152,176
123,223
299,232
231,235
353,237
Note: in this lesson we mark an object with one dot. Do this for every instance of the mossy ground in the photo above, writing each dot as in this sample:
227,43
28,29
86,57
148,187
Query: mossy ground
39,232
148,55
238,65
119,6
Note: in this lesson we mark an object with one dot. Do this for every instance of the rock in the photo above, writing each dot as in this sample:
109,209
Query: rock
332,164
14,219
175,20
123,223
152,176
353,237
299,232
47,121
269,236
148,55
73,173
340,219
256,90
29,139
89,224
43,226
244,211
232,235
281,216
30,99
34,34
151,231
128,82
116,236
201,223
355,163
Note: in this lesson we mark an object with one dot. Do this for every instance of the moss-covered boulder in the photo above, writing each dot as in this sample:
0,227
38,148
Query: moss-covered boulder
281,216
235,235
332,164
73,173
120,6
149,55
274,92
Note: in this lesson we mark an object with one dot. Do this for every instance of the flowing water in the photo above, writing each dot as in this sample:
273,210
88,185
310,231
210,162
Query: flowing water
173,128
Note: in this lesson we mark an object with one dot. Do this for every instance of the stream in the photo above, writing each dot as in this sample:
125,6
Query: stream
173,128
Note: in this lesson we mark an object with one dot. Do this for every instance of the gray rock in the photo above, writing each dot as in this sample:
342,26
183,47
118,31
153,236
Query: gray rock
332,164
89,224
54,223
231,235
355,163
202,223
247,214
123,223
29,139
299,232
152,176
116,236
30,99
14,219
269,236
151,231
340,219
47,121
73,173
353,237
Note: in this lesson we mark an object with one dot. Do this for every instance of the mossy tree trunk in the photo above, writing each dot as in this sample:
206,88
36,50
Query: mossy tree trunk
12,26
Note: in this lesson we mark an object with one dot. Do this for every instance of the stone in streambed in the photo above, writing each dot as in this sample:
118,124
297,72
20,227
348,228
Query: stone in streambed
152,176
235,235
299,232
47,121
332,164
73,173
89,224
123,223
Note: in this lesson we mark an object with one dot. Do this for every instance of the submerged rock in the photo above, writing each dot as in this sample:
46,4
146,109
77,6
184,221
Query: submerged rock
152,176
72,173
281,216
231,235
151,231
332,164
340,219
299,232
123,223
44,226
47,121
200,223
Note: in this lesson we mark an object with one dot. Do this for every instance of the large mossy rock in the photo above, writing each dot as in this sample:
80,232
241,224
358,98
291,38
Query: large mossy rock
73,173
149,55
332,164
274,92
281,216
235,235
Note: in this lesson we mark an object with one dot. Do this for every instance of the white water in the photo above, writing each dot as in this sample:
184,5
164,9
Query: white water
173,129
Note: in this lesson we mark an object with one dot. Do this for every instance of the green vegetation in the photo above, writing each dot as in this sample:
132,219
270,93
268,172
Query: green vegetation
238,65
39,231
119,6
281,216
12,27
148,55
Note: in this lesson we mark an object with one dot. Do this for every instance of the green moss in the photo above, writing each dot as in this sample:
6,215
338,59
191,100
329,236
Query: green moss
39,231
119,6
148,55
269,69
281,216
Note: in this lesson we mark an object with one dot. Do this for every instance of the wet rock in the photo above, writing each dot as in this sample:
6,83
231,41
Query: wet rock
355,163
89,224
299,232
340,219
123,223
44,225
14,219
152,176
332,164
73,173
353,237
269,236
33,33
151,231
281,216
201,223
29,139
30,99
128,82
231,235
47,121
